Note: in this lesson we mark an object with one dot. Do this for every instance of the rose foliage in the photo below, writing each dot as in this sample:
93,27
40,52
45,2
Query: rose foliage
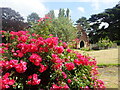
30,61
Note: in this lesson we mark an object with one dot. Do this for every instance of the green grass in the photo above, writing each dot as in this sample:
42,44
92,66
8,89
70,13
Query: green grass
107,56
107,65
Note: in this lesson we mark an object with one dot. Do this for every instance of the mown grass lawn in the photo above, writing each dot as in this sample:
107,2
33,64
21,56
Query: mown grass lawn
108,57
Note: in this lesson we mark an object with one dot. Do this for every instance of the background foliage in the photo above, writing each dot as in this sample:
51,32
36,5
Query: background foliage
12,20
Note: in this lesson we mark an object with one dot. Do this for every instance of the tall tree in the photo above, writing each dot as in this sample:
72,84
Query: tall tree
67,13
64,13
51,14
110,16
84,23
60,10
61,13
63,28
33,17
12,20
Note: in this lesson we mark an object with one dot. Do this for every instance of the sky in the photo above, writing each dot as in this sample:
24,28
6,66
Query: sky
78,8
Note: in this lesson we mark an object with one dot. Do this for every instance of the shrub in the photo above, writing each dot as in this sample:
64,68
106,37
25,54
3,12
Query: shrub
105,42
30,61
42,27
73,43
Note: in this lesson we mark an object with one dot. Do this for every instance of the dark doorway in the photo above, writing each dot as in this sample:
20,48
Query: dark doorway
81,44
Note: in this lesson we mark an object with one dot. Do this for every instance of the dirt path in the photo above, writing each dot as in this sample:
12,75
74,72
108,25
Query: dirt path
110,76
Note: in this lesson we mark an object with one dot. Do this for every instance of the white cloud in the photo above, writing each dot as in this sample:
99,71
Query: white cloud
103,24
25,7
108,1
81,9
95,4
78,0
65,0
56,13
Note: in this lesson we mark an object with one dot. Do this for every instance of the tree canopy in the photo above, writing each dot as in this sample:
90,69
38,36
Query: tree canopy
51,14
61,26
110,16
84,23
12,20
33,17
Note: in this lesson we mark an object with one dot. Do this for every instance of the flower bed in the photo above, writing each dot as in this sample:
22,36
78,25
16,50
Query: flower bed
30,61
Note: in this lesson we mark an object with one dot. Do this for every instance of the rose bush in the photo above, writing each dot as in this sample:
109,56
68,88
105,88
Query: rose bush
30,61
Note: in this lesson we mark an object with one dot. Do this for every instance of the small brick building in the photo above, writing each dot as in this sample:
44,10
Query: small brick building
83,41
